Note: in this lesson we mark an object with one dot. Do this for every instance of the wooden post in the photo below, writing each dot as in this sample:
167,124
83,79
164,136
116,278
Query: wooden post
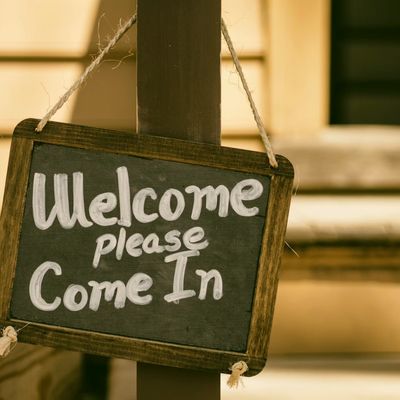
178,69
178,95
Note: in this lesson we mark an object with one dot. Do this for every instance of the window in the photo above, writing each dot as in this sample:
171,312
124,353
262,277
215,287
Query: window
365,62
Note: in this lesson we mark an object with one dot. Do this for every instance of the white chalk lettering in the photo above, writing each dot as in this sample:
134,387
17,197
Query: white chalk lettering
139,282
79,200
132,243
179,292
240,193
171,205
76,297
103,203
172,237
35,286
138,205
125,215
192,236
165,205
39,203
61,207
70,296
212,195
136,244
116,288
61,200
205,278
102,249
121,244
151,244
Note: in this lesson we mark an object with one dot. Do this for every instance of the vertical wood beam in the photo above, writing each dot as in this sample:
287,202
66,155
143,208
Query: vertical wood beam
178,69
157,382
178,95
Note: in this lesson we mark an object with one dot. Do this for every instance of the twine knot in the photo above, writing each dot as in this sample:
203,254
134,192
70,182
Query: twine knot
238,369
9,337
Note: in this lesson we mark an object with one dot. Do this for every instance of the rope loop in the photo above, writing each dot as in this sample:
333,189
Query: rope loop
81,80
118,35
256,115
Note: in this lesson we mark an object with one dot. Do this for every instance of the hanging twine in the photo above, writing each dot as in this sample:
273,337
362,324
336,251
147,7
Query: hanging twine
256,115
80,81
238,369
9,337
118,35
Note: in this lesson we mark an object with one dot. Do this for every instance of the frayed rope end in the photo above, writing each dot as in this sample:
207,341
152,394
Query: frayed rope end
238,369
9,337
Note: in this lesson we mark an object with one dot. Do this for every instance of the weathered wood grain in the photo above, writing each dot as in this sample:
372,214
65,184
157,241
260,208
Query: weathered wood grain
11,216
268,273
178,69
153,146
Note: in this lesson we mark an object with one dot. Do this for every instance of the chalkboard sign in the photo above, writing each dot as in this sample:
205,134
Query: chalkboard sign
159,250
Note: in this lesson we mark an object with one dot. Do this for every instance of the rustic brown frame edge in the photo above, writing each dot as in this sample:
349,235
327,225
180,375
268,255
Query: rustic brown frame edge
269,264
11,217
167,149
154,146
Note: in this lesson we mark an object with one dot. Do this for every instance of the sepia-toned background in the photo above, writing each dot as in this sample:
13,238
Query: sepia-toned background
326,77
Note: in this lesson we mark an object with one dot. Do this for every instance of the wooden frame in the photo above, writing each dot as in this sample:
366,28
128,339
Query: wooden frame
163,149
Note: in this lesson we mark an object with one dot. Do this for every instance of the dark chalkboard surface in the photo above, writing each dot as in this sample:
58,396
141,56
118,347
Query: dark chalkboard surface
126,241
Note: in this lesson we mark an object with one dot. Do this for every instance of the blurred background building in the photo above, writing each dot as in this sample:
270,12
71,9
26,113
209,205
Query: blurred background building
326,75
